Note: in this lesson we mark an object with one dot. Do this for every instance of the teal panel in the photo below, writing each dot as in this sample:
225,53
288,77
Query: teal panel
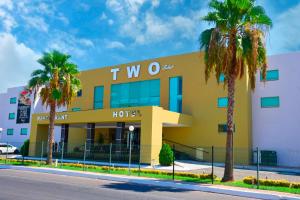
269,102
223,102
140,93
98,97
175,94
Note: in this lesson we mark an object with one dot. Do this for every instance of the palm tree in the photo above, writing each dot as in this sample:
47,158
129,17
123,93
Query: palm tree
234,46
57,83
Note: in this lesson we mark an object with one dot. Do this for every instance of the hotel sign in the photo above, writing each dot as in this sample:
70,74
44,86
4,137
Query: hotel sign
57,117
134,71
126,113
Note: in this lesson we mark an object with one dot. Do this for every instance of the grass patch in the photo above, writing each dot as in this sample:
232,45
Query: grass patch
263,187
186,177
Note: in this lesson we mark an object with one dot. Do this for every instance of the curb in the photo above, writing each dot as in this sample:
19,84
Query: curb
162,183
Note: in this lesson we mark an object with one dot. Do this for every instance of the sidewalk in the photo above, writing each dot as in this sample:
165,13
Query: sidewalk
234,191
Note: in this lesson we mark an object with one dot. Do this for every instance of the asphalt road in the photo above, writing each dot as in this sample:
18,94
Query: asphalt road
15,185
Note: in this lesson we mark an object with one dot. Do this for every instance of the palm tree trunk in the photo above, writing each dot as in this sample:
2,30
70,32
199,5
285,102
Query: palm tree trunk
228,172
51,133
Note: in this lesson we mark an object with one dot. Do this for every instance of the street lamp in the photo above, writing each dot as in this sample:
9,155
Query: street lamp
131,129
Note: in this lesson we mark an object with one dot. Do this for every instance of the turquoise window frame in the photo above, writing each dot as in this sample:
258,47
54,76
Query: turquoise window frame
13,100
271,75
24,131
135,94
222,78
11,116
98,97
76,109
175,94
270,102
222,128
10,131
222,102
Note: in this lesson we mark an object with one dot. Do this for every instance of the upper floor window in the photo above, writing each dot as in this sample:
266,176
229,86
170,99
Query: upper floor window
222,78
222,128
175,94
76,109
10,131
222,102
24,131
98,97
269,102
79,93
140,93
11,116
13,100
271,75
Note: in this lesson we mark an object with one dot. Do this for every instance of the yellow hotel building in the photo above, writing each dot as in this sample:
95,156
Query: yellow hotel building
166,99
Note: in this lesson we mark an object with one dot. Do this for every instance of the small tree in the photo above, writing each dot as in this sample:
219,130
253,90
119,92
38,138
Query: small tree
25,148
166,155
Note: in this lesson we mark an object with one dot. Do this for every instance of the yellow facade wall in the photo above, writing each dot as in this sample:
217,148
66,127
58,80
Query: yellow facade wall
199,100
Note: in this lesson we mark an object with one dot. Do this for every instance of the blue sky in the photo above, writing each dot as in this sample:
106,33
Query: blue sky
101,33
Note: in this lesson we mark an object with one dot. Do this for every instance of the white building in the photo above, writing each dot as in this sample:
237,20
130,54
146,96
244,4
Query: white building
16,109
276,109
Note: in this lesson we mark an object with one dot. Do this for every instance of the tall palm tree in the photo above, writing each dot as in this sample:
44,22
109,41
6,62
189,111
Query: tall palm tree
234,46
57,83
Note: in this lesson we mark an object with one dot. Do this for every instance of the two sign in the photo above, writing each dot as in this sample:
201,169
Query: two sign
134,71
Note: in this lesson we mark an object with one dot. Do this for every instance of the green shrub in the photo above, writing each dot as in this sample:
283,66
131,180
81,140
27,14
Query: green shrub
166,155
270,182
25,148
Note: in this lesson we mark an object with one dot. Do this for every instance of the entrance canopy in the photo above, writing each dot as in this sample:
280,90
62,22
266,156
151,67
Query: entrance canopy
133,114
150,120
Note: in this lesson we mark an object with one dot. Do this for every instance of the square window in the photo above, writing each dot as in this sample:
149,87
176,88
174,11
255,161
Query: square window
223,102
222,78
76,109
11,116
222,128
10,131
79,93
24,131
13,100
271,75
270,102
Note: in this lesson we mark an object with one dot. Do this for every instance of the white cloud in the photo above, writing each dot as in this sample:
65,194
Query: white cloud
8,22
110,22
284,36
17,62
37,23
155,3
103,16
6,4
126,7
86,42
115,45
68,43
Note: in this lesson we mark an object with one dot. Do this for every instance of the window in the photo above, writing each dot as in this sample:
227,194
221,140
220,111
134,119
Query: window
79,93
10,131
98,97
222,128
140,93
76,109
269,102
175,94
222,102
24,131
13,100
222,78
11,116
271,75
